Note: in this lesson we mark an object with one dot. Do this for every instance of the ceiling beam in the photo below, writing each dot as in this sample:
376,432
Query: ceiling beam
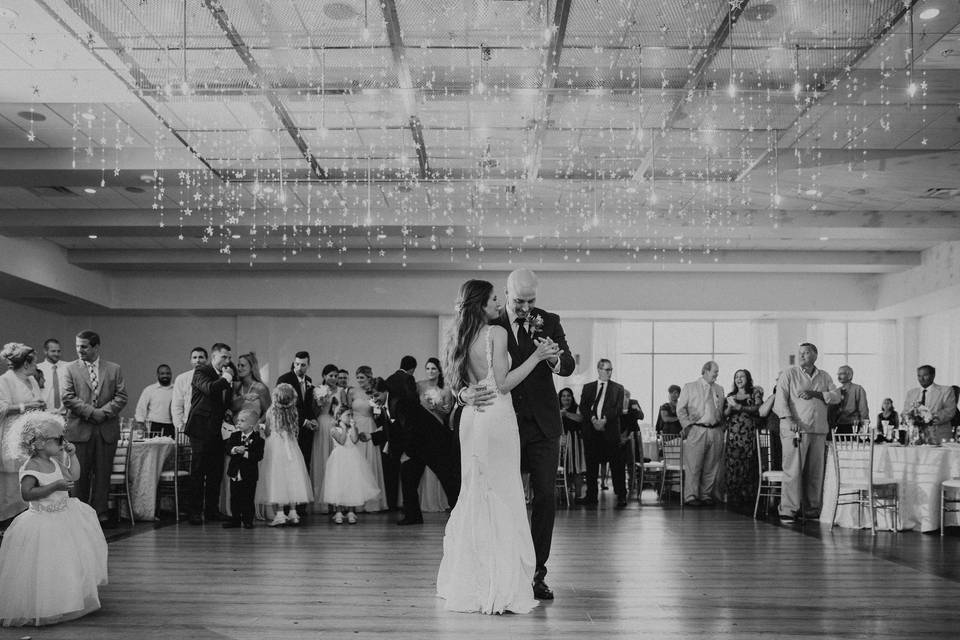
240,47
405,82
549,72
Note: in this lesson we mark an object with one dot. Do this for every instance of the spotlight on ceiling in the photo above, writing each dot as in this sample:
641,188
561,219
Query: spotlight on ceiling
90,116
929,14
235,236
147,178
810,192
32,116
760,12
89,190
93,236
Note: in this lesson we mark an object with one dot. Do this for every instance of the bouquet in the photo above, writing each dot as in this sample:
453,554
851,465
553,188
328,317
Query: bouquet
375,406
434,397
321,393
921,418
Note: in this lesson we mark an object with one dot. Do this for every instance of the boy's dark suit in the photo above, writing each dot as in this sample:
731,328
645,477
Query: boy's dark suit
243,471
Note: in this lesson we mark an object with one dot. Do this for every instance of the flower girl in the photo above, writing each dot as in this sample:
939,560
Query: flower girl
284,480
347,481
54,555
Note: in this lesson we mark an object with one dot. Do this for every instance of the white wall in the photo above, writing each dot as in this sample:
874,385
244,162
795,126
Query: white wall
20,323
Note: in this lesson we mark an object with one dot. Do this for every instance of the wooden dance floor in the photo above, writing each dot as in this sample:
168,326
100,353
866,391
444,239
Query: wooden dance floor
647,571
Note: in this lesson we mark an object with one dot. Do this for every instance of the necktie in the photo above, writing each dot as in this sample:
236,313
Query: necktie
523,338
923,397
303,387
56,388
94,379
596,402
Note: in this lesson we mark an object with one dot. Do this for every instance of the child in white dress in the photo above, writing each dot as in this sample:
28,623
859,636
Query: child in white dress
348,481
284,480
54,555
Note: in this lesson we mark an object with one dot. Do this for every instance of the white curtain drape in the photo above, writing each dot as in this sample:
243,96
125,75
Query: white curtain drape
606,344
764,352
939,345
892,373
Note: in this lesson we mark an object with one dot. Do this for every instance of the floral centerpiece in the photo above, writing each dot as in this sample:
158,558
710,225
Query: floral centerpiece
920,417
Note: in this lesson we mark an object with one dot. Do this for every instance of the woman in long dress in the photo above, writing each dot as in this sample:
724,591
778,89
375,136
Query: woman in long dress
488,555
740,453
437,399
19,393
328,401
360,403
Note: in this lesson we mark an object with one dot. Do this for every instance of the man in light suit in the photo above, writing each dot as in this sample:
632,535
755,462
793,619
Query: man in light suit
94,395
601,405
700,410
939,399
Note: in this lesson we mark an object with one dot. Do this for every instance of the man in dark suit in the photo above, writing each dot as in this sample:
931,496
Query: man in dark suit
93,394
245,448
390,436
211,395
537,407
298,379
601,405
425,443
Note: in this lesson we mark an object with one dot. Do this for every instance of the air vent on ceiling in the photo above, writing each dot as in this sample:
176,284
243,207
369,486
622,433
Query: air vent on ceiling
942,193
52,192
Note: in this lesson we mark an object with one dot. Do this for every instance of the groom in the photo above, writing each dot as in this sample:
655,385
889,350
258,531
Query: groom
537,407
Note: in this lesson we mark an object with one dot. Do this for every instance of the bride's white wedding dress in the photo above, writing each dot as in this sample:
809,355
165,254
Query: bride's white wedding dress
488,556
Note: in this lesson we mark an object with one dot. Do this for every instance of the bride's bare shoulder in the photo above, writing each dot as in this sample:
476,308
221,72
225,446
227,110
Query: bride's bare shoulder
497,332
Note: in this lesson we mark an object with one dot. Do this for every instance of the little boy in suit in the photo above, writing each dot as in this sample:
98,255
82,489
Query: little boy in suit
245,447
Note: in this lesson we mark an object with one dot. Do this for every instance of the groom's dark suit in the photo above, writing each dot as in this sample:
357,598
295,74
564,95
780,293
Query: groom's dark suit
538,418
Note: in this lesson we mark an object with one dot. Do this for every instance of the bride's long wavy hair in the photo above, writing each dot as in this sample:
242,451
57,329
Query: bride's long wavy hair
469,320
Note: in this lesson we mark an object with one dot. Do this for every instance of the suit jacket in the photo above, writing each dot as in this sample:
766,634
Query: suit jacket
535,398
248,464
403,387
393,430
79,399
305,405
612,409
209,401
939,400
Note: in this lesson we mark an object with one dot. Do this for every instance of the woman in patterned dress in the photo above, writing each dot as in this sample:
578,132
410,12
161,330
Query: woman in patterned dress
742,417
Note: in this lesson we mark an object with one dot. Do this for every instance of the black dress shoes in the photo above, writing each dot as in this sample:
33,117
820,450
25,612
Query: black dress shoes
408,521
541,591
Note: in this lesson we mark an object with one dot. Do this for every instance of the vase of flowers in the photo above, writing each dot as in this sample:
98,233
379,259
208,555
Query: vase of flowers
920,420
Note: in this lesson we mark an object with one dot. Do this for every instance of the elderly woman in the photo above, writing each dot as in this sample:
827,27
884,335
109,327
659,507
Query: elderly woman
19,393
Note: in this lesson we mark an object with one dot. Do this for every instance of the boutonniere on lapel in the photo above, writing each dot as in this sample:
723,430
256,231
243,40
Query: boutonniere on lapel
534,325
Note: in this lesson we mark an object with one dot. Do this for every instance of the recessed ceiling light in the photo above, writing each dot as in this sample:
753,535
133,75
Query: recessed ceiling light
32,116
89,190
824,238
235,236
8,13
147,178
93,236
268,189
448,189
88,115
929,14
810,192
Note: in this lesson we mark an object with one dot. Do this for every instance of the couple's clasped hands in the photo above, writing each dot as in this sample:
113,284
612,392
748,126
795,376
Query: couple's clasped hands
479,396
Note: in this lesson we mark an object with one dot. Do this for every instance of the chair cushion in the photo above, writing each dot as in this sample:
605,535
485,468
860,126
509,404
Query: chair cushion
653,465
773,476
167,476
117,478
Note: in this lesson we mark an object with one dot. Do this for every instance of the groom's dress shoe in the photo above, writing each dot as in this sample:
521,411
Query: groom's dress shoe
541,591
407,521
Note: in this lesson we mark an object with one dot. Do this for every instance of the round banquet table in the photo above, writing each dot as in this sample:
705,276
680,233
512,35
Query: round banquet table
147,458
918,472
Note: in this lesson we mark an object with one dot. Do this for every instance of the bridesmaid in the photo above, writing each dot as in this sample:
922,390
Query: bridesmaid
249,390
742,413
438,400
19,393
329,400
361,403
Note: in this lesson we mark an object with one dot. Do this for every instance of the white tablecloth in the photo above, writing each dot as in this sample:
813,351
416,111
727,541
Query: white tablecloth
146,462
918,471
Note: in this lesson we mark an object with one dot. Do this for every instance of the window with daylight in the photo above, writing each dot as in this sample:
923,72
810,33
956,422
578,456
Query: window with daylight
859,345
656,354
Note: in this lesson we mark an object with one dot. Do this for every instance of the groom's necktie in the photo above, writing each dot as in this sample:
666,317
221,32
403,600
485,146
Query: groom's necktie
523,338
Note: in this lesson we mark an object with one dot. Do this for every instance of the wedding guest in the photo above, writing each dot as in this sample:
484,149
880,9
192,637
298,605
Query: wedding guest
209,402
667,421
298,379
343,379
575,463
938,399
389,436
52,370
601,405
347,481
742,420
245,448
437,400
53,556
328,401
153,407
285,482
183,389
852,408
803,393
631,445
249,391
19,394
700,411
360,403
94,394
888,419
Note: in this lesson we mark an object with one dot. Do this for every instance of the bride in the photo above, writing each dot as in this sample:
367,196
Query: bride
488,555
